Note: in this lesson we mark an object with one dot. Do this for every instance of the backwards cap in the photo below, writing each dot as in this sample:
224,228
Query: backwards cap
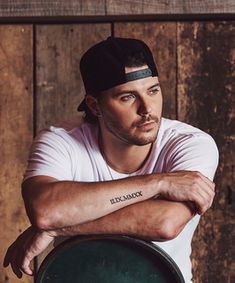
103,65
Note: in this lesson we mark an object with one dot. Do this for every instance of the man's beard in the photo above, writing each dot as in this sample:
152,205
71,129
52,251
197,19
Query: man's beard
130,137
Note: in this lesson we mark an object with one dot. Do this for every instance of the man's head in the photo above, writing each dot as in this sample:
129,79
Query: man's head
112,69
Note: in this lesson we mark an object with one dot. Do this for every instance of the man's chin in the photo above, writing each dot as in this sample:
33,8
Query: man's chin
144,140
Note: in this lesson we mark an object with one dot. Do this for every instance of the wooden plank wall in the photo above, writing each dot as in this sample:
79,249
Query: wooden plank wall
206,89
196,65
16,131
59,84
44,8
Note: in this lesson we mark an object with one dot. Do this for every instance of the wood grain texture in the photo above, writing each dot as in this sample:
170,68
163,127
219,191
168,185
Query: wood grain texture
59,84
161,38
44,8
31,8
204,61
155,7
15,133
206,77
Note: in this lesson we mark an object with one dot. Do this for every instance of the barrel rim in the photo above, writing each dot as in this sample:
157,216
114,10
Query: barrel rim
151,247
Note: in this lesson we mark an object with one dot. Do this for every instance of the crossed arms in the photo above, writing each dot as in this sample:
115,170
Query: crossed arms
155,207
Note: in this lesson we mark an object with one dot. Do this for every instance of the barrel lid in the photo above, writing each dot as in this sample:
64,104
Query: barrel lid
108,259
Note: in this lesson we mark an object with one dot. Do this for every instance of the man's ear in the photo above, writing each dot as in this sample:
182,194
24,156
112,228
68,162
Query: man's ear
93,105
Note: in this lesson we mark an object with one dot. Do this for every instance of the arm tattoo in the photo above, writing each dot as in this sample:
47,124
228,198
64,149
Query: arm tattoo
126,197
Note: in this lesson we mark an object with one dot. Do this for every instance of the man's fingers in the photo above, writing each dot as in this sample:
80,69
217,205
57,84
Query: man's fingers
26,266
8,255
207,181
204,202
27,256
206,192
14,246
25,263
14,264
6,260
16,270
15,254
20,263
201,195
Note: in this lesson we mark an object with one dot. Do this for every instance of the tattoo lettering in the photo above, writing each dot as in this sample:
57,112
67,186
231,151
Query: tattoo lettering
126,197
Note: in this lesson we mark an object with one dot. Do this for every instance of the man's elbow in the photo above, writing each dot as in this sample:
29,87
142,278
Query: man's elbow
41,214
41,223
166,231
42,218
40,210
51,217
170,230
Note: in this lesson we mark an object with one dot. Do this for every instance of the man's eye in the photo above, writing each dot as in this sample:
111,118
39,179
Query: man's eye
127,97
154,91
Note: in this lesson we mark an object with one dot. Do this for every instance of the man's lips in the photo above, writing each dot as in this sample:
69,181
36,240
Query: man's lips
147,125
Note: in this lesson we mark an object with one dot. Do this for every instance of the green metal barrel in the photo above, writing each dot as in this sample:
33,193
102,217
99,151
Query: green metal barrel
108,259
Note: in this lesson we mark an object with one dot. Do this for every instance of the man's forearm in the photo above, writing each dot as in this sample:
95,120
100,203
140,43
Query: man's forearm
53,204
152,219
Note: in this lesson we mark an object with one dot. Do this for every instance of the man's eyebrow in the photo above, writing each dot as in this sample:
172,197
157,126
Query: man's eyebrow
133,91
155,85
122,92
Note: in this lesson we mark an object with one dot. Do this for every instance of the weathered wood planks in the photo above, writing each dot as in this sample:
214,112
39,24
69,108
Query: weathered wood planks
153,7
16,133
206,88
195,59
54,8
203,61
161,38
59,88
28,8
59,84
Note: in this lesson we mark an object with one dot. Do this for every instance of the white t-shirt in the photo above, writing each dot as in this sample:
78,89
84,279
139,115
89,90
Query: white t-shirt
73,154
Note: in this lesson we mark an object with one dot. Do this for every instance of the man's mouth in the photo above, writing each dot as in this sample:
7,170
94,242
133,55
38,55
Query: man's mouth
146,126
147,121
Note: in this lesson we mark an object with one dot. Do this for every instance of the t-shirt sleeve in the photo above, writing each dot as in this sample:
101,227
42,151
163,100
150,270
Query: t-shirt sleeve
49,156
196,152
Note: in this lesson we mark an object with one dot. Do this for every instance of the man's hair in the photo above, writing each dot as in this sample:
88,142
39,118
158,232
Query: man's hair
133,60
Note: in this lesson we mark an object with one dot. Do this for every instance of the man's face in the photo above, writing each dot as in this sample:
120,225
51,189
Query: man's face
131,112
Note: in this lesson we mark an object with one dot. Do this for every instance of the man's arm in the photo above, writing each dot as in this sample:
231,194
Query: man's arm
53,204
152,219
155,220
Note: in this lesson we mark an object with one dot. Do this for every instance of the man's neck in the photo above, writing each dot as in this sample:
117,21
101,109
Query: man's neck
122,157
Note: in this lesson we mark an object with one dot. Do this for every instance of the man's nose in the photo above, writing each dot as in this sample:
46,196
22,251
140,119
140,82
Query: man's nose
145,107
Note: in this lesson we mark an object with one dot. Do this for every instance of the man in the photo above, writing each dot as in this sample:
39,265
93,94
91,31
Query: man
125,170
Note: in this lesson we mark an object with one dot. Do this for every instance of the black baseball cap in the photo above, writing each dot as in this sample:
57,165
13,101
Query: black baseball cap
103,65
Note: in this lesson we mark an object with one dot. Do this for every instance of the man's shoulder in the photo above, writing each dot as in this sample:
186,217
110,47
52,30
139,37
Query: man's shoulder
70,134
67,129
179,127
185,147
178,135
174,129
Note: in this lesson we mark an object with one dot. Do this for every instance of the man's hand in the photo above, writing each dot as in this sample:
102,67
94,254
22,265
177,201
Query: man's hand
25,248
188,186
